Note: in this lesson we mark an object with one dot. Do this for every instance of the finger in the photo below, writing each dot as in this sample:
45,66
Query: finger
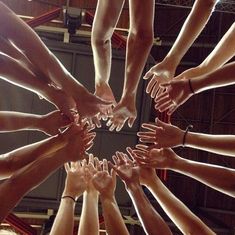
142,147
172,109
131,121
163,99
91,159
89,146
164,106
67,167
97,122
105,165
115,159
113,174
148,140
120,126
112,127
146,134
109,122
160,91
131,153
97,164
155,89
148,74
150,127
120,157
150,85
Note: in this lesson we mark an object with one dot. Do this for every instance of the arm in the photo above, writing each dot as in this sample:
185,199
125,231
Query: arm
129,173
184,219
75,184
105,183
192,27
217,177
89,221
222,53
49,123
179,91
28,177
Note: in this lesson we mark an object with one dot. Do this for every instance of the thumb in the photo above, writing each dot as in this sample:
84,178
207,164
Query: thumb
165,85
160,123
148,75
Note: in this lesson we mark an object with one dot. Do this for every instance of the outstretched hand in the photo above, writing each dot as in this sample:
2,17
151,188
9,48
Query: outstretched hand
125,111
175,94
103,181
75,183
160,73
161,135
154,158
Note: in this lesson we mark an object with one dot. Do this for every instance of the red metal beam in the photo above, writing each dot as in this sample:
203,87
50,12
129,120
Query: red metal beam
19,225
44,18
117,39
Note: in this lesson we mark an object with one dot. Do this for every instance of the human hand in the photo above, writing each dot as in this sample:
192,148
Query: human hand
175,94
80,140
90,172
124,111
161,135
51,123
75,183
147,173
164,158
190,73
160,73
126,169
103,181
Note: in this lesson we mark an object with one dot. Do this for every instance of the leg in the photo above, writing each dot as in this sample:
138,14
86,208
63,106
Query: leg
106,17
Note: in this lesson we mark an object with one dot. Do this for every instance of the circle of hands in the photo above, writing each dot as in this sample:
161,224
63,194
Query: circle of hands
135,165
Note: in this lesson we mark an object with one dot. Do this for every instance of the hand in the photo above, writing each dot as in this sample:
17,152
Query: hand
146,172
126,169
190,73
90,105
52,122
90,172
124,111
104,91
161,73
175,94
161,135
75,183
103,181
79,142
157,158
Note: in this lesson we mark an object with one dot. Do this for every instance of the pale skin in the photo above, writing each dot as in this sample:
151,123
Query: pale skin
75,185
221,54
89,220
206,76
73,94
12,161
184,219
217,177
163,135
105,183
129,172
165,70
140,36
49,123
34,173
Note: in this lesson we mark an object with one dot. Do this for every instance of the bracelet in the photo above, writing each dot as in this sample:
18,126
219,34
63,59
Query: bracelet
69,197
189,127
190,86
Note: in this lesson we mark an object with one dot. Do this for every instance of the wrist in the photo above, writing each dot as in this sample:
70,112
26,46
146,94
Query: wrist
133,187
68,198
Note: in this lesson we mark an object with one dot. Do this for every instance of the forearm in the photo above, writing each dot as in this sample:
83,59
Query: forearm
64,221
89,221
20,157
221,77
112,217
184,219
25,179
219,144
150,219
13,121
137,53
217,177
222,53
192,27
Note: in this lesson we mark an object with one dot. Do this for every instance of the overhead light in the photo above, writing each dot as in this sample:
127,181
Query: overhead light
72,18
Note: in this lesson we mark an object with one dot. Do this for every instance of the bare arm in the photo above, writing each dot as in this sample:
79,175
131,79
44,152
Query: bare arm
150,219
74,186
49,123
195,22
89,220
105,183
222,53
217,177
